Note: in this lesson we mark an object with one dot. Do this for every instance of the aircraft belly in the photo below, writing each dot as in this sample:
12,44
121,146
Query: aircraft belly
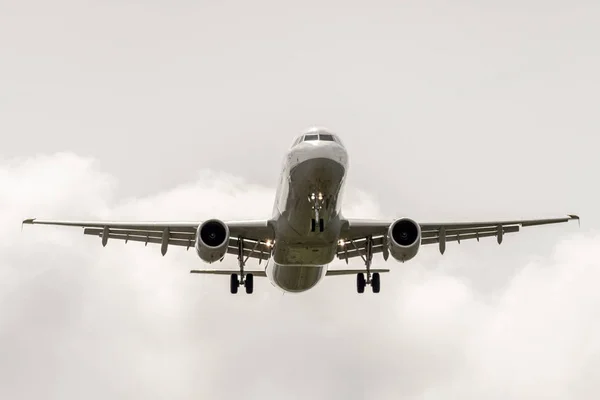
297,244
300,255
309,254
295,279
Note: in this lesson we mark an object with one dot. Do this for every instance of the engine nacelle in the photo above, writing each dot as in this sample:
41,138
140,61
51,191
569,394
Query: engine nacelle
212,239
404,239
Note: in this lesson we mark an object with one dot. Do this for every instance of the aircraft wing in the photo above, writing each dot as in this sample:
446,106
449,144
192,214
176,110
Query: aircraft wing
354,235
256,234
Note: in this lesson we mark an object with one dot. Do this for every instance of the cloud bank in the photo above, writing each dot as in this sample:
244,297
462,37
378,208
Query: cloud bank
81,321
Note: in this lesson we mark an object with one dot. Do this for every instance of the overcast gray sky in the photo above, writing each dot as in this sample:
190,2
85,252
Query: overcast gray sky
183,110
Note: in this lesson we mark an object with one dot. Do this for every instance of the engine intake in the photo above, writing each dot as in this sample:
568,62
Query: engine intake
404,239
212,239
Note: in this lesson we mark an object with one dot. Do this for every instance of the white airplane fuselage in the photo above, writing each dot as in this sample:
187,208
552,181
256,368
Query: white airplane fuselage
313,175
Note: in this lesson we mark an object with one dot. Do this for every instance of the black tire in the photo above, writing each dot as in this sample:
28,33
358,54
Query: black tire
234,284
360,283
376,283
249,283
321,225
313,225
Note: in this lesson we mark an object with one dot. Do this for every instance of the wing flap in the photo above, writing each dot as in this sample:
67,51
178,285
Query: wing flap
141,233
457,235
467,231
338,272
251,244
250,253
347,253
154,240
357,247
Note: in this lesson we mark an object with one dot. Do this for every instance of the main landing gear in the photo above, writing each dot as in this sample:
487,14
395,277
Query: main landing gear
248,283
247,280
372,279
316,223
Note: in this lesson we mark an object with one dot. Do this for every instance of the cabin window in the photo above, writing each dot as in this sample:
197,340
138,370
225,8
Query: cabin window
326,137
311,137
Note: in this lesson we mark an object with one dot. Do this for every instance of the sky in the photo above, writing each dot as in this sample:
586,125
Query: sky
183,110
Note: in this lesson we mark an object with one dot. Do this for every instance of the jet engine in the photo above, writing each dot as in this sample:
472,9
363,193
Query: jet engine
212,239
404,239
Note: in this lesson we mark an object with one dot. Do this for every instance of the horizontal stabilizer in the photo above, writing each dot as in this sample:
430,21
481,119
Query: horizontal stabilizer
262,274
258,274
336,272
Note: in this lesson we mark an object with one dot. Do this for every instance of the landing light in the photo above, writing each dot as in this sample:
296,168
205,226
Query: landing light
342,243
268,243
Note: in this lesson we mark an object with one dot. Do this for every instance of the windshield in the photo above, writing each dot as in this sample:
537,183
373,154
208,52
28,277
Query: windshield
317,136
327,137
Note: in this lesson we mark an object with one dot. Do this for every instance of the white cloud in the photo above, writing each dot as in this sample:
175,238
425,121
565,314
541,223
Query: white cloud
78,320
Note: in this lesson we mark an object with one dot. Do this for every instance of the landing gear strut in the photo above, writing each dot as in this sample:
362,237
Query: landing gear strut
317,200
247,280
374,279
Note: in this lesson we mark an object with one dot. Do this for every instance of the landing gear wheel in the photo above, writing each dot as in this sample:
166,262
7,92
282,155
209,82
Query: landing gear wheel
372,279
249,283
376,283
234,284
317,200
360,282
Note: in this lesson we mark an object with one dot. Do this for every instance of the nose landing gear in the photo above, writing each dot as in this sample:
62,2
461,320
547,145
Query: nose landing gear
314,225
318,201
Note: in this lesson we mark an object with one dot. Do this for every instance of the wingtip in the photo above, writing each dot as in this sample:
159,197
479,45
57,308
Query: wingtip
27,221
575,217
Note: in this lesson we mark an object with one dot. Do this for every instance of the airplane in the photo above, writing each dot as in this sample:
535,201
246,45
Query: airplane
307,229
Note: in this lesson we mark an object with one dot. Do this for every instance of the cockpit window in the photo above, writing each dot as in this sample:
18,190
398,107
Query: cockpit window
317,136
326,137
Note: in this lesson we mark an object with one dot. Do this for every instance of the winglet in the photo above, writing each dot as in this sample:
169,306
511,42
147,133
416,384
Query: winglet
573,216
27,221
